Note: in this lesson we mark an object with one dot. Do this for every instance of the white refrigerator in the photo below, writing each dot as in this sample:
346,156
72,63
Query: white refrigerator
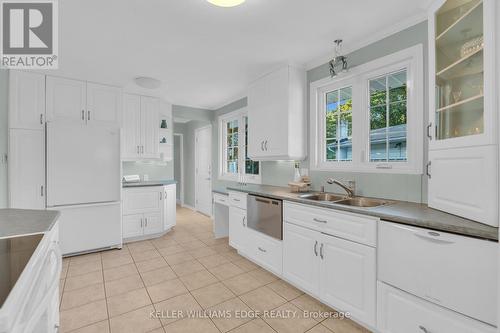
83,183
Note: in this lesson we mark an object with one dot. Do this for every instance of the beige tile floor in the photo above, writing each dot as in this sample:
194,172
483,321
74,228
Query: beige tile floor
186,270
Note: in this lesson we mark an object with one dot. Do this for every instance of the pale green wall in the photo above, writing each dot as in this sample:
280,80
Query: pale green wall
3,136
402,187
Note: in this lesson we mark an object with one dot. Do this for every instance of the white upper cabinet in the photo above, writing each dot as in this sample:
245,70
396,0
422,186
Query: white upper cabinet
66,100
150,113
131,126
141,125
104,104
82,102
26,100
276,116
463,110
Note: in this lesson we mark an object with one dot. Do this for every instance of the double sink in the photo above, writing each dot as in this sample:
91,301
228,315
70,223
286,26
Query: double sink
345,200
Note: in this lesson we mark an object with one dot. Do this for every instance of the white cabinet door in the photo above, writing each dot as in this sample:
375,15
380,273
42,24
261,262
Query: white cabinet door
26,100
26,169
169,212
150,110
300,257
104,104
132,225
142,200
400,312
237,228
275,113
153,223
131,127
348,277
66,100
464,182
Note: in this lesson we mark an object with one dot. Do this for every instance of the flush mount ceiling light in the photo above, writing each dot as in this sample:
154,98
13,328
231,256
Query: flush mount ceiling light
147,82
339,60
226,3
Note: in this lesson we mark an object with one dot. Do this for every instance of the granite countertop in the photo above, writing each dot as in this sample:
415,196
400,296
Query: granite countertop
150,183
16,222
403,212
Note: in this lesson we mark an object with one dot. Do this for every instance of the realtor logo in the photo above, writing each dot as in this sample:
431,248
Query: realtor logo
29,34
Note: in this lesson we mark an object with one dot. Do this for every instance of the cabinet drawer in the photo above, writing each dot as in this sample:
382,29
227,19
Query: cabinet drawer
142,200
401,312
237,199
266,251
354,227
453,271
221,199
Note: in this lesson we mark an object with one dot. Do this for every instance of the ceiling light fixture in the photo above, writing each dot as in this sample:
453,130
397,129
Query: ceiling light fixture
338,59
147,82
226,3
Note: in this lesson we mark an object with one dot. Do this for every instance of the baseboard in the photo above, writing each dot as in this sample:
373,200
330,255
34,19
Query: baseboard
189,207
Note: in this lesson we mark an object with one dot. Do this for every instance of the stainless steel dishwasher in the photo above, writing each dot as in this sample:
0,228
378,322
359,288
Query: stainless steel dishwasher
265,215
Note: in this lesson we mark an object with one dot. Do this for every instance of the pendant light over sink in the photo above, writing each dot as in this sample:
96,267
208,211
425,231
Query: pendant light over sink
226,3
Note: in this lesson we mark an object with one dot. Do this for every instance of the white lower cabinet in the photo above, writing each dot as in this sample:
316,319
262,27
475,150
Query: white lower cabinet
237,228
300,252
148,211
453,271
265,251
132,225
400,312
347,278
339,272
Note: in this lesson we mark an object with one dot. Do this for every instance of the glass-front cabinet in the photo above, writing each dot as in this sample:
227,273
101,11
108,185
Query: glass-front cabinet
462,73
463,123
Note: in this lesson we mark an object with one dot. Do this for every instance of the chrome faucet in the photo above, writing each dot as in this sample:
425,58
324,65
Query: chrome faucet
348,188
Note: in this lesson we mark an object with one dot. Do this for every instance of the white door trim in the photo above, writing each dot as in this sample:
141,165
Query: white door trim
181,137
196,163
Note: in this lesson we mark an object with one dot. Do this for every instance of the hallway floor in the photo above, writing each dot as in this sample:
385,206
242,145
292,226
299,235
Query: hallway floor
185,281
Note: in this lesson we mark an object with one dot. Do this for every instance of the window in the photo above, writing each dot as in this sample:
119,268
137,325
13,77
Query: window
233,150
338,121
370,119
388,106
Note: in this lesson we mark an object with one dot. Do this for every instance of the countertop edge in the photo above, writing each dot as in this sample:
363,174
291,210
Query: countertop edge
151,183
376,212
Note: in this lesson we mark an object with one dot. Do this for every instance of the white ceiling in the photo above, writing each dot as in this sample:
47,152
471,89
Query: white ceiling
206,55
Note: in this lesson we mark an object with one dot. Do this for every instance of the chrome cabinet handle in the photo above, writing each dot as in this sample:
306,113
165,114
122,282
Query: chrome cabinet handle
138,151
261,249
141,223
244,218
429,127
146,221
428,170
83,114
237,200
265,145
142,149
88,115
320,221
262,145
321,251
41,118
423,329
41,191
316,248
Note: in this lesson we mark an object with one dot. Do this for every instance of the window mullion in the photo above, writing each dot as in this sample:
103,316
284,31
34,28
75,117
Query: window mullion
241,146
387,99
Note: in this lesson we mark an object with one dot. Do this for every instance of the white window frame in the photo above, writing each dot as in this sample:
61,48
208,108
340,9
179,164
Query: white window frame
241,176
358,77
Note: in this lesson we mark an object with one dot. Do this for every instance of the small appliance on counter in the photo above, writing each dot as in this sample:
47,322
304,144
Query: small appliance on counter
131,179
302,185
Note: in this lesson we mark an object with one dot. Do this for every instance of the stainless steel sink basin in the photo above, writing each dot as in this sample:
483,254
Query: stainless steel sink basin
323,197
363,202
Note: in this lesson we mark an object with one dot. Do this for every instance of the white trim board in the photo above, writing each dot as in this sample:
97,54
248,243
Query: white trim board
181,201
